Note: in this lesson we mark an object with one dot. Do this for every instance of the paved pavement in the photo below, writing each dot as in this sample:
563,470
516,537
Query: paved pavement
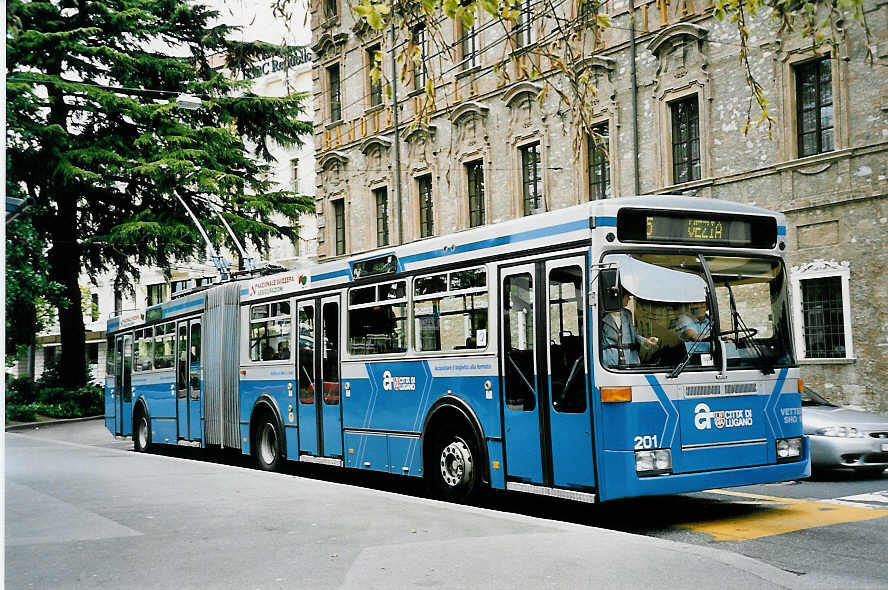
83,510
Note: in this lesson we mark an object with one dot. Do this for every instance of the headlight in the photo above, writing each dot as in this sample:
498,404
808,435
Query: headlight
842,431
789,449
656,462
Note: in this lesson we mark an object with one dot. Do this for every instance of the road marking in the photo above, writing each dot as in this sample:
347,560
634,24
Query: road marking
877,498
778,516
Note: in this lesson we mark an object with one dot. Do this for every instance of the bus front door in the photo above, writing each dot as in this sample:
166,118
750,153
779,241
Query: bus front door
112,386
188,382
548,424
317,365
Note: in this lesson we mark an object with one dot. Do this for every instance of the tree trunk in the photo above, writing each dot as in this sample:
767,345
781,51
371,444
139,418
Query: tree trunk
65,269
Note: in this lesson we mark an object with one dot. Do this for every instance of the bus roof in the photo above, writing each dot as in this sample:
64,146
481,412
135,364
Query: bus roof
533,232
571,224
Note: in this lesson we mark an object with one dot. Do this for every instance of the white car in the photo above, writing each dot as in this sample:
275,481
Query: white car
844,438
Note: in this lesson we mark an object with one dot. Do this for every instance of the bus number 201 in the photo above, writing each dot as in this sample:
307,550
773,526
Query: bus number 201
646,442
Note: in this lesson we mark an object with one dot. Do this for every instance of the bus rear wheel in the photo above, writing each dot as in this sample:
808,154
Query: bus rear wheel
453,468
267,444
141,433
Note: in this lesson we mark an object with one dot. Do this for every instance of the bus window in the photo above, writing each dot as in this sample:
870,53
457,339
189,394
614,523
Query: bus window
270,331
306,354
378,325
753,312
194,360
182,362
567,364
143,350
451,314
663,316
518,338
164,346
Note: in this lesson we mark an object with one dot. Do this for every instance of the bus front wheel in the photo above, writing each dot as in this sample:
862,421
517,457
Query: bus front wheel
453,469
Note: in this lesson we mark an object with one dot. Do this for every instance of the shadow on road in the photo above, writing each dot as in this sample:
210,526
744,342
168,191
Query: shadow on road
637,515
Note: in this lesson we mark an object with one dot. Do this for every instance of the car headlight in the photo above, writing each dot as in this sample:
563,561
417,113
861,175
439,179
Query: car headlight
841,431
655,462
789,449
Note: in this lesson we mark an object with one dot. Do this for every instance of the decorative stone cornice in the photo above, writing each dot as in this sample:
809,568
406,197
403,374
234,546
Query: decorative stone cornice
375,141
821,266
329,42
596,62
330,157
419,133
521,89
677,30
469,106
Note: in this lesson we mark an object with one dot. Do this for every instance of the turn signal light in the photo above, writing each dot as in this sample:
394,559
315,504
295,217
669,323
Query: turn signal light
616,394
801,385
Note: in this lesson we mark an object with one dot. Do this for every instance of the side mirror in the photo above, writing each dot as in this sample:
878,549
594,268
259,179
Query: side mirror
608,283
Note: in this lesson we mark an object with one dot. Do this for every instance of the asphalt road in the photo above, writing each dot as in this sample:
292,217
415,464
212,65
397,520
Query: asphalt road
82,510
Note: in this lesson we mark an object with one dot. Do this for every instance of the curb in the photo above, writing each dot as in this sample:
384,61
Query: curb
29,425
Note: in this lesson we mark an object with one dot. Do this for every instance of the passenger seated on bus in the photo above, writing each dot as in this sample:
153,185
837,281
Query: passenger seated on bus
283,350
690,327
268,352
620,341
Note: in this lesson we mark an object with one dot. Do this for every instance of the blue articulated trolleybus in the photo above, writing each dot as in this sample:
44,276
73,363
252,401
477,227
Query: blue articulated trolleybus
618,348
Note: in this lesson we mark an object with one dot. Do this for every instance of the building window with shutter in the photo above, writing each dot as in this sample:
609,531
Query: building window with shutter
334,92
823,318
157,293
685,139
419,64
294,174
468,46
814,106
426,222
821,292
374,85
380,196
523,31
531,179
599,164
475,177
339,226
331,8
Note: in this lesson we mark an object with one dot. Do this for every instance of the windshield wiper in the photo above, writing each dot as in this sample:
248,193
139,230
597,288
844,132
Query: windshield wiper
677,371
740,326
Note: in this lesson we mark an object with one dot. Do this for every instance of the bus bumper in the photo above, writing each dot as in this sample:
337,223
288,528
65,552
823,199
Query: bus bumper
619,480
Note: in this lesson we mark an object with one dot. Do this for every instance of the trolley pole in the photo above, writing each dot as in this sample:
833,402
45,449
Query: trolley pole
397,134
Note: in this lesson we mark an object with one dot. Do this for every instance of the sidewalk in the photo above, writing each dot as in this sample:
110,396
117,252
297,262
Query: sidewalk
11,425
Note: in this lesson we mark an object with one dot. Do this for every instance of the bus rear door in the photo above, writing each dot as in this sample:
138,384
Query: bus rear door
123,421
188,379
548,424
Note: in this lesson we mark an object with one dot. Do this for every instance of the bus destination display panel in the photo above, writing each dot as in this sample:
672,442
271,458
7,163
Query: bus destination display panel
711,230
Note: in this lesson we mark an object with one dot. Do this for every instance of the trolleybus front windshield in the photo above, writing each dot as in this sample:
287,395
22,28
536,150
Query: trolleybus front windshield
668,309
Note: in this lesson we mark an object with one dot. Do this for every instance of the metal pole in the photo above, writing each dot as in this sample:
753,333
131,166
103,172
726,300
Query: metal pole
397,133
634,97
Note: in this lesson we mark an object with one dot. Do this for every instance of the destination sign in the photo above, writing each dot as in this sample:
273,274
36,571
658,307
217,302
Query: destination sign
682,228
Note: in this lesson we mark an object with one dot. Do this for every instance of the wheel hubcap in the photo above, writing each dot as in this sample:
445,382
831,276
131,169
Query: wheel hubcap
143,432
456,464
268,444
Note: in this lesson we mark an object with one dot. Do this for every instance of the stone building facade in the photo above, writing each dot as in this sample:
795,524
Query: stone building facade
495,151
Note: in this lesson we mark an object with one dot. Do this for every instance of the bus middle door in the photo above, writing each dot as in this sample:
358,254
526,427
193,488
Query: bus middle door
317,363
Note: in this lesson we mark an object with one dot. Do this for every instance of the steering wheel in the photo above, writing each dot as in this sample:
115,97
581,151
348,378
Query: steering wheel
747,333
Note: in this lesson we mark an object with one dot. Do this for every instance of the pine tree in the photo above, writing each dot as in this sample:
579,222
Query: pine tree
96,142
